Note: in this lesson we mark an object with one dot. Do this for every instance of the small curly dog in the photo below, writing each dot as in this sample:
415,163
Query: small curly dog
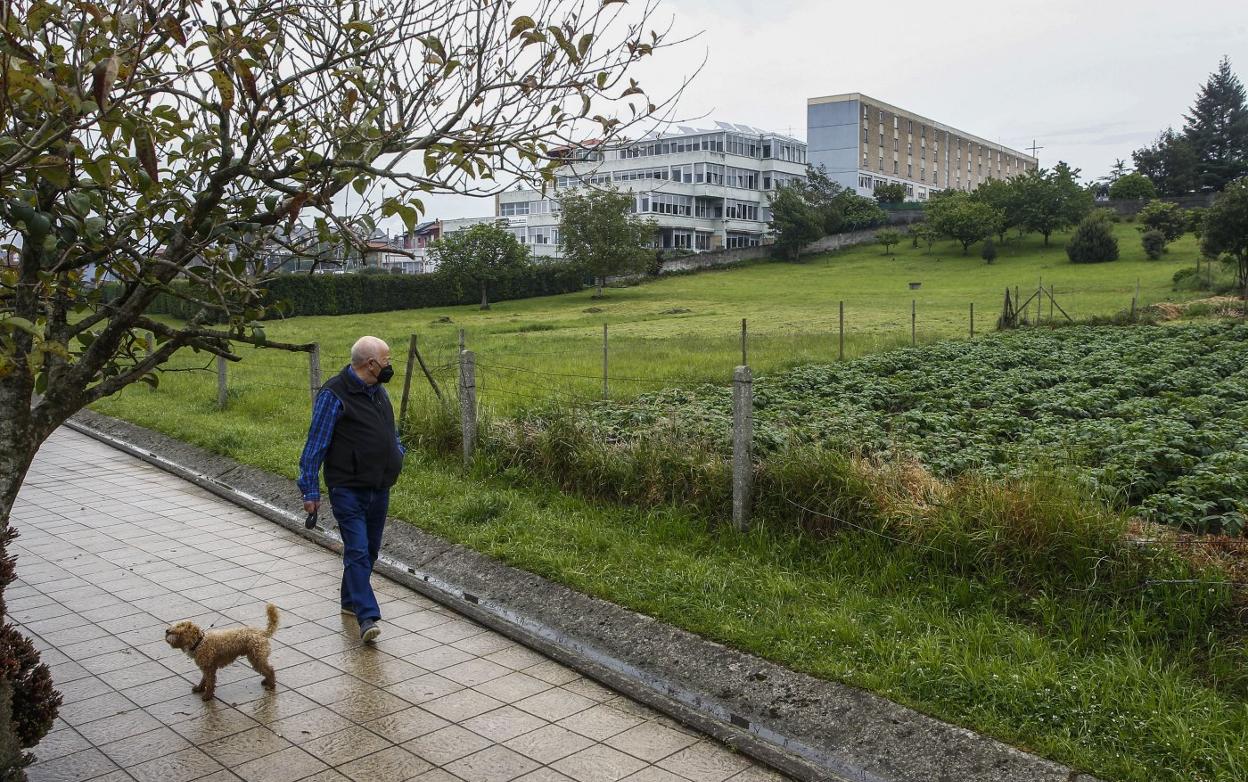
216,649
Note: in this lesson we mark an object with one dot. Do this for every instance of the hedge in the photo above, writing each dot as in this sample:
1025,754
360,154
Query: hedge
290,295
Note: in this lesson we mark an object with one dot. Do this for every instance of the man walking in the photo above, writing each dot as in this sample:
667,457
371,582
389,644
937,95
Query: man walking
353,434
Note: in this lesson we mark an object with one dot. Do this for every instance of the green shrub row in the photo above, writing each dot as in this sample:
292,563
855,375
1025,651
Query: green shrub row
290,295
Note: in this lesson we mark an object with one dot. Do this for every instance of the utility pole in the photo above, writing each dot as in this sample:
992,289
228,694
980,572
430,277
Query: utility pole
1034,149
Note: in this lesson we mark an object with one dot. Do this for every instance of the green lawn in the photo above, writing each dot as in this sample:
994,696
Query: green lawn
1067,677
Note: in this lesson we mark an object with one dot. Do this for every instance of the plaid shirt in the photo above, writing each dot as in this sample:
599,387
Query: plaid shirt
325,414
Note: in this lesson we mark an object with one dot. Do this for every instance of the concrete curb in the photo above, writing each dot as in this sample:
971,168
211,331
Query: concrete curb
808,728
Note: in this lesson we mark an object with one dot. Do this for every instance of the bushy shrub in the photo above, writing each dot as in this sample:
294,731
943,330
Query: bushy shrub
888,237
891,193
1154,242
1093,241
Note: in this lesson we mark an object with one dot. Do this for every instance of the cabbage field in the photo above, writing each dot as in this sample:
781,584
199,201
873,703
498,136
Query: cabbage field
1149,417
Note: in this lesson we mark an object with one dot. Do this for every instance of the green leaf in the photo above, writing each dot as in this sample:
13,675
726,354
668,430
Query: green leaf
582,46
360,27
562,39
521,24
21,324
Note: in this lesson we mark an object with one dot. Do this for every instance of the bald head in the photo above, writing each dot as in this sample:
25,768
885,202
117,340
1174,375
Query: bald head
369,348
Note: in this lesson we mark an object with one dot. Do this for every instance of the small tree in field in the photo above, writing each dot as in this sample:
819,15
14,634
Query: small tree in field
1133,187
989,251
167,145
960,217
1226,230
1164,217
1053,200
480,255
1154,243
888,237
796,221
599,232
1093,241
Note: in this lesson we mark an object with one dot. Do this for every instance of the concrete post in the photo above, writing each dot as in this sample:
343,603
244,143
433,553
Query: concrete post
742,439
468,403
606,388
914,339
972,320
840,350
744,341
221,384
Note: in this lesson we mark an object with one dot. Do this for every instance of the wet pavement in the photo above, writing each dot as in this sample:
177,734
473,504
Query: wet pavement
112,550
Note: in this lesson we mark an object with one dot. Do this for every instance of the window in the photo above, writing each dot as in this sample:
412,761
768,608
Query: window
910,170
864,135
881,162
740,210
910,126
896,166
864,159
909,148
702,241
766,182
896,123
881,138
865,109
896,145
510,208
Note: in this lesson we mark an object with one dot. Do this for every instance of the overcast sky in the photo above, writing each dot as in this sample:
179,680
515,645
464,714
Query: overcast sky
1089,80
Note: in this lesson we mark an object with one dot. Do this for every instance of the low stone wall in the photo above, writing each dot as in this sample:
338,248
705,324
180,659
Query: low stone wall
1130,207
717,258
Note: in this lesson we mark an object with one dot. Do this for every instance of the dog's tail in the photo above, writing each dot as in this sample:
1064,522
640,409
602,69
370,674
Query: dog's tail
271,610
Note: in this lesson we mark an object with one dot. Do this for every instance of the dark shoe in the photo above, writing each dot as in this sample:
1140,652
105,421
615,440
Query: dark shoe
369,631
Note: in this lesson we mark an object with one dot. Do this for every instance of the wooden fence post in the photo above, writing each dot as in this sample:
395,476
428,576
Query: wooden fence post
468,403
744,356
314,370
606,388
407,381
840,350
742,439
221,383
972,320
913,322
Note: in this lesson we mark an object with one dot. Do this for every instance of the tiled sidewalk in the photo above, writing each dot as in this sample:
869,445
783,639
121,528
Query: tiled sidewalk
112,550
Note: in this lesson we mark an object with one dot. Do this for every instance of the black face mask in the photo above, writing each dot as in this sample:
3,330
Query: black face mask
385,374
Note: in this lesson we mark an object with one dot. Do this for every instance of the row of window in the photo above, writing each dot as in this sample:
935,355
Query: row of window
730,143
1010,161
690,173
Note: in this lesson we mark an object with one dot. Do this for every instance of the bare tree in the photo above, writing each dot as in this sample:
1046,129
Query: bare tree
162,144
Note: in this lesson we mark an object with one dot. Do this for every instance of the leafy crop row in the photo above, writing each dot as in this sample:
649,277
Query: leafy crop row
1154,418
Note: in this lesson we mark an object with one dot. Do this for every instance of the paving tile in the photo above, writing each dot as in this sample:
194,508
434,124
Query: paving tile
118,726
651,741
704,762
345,745
77,767
459,706
134,750
548,744
213,724
654,774
447,744
496,764
390,765
369,704
424,688
401,726
598,764
544,775
554,704
60,743
513,687
308,725
473,672
288,765
239,748
600,722
504,723
180,766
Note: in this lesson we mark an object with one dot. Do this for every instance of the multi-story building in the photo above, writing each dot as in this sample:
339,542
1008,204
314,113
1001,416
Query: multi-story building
863,143
705,188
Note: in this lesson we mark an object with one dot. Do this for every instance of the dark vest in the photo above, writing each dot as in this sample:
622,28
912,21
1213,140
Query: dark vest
363,452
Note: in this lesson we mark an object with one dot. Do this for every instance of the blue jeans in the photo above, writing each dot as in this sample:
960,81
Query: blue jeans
361,517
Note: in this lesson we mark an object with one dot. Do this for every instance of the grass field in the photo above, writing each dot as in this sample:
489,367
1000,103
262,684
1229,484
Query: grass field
688,328
1059,674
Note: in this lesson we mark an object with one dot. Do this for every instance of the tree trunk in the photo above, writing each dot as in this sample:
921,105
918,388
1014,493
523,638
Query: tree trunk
1046,238
485,302
18,444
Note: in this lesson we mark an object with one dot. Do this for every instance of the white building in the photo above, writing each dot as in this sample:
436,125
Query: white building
705,188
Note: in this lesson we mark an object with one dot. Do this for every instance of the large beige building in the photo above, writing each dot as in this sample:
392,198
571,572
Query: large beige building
864,142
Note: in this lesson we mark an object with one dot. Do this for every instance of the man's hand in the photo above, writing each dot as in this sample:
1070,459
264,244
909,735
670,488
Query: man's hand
311,506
